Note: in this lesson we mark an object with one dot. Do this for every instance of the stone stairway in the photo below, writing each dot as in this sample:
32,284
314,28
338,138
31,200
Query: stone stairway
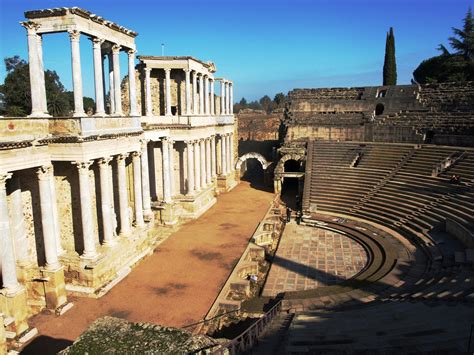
272,340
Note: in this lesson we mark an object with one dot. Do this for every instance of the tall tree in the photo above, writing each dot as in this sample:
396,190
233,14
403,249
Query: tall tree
390,65
279,99
464,45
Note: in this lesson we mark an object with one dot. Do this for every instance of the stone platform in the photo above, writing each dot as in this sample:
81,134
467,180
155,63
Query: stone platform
309,257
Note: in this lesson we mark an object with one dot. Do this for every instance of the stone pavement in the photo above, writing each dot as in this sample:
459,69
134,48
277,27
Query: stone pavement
309,257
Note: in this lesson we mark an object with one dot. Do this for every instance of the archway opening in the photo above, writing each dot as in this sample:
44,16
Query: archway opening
252,171
292,166
290,192
379,109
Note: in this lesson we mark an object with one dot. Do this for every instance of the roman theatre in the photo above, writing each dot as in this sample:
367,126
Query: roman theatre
381,255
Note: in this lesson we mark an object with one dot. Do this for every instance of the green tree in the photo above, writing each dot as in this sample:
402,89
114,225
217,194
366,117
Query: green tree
266,102
464,45
279,99
390,65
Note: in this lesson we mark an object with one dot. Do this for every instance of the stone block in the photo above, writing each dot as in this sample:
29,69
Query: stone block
15,306
55,288
3,339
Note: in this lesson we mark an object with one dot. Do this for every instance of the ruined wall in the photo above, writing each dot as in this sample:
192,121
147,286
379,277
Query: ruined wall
258,125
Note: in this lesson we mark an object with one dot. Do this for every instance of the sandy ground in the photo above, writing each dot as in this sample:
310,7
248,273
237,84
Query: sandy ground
178,283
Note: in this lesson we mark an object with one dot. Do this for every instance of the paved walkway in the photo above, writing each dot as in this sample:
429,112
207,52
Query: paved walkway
178,283
309,257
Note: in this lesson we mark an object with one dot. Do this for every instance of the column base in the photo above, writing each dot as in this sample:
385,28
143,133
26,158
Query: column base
79,114
89,256
15,306
99,114
54,288
39,114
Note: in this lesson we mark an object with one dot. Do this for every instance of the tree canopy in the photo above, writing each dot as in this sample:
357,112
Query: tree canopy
390,64
265,103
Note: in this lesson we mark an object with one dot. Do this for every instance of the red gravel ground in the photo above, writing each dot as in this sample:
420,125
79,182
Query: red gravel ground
178,283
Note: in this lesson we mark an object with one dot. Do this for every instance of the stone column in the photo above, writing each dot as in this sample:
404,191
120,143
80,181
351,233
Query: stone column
197,166
35,79
165,152
44,104
231,155
202,159
137,189
168,91
123,194
98,76
190,158
208,161
201,94
7,256
117,89
195,108
145,180
222,97
171,170
187,73
206,95
54,199
223,155
106,201
213,157
86,210
149,104
227,111
76,73
231,99
132,90
111,83
213,108
18,230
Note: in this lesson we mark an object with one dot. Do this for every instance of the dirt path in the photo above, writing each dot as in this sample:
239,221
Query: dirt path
178,283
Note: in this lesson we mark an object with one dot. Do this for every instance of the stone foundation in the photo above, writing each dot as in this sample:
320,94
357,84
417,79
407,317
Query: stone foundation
14,306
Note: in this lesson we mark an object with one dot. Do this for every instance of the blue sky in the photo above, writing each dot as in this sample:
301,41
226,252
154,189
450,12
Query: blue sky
264,46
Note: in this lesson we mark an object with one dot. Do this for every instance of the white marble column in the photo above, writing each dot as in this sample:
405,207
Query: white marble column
213,102
88,234
7,256
208,161
111,83
213,157
206,96
222,97
54,200
149,104
165,152
187,87
201,94
132,90
171,158
197,165
117,88
137,189
106,201
18,230
190,175
202,160
227,111
98,76
44,104
167,91
230,160
76,73
146,197
231,99
195,106
125,227
223,155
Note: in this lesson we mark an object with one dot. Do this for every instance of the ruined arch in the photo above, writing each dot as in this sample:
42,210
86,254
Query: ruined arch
280,168
252,155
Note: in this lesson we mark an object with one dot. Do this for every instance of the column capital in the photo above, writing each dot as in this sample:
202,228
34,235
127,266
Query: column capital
30,26
83,166
116,49
121,157
97,42
144,142
44,172
147,70
104,162
136,154
187,70
131,52
74,35
3,178
167,70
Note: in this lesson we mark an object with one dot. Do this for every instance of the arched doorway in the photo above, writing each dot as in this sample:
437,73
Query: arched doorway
253,168
379,109
291,189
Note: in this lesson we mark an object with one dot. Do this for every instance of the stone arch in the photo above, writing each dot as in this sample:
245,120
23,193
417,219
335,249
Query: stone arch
280,168
252,155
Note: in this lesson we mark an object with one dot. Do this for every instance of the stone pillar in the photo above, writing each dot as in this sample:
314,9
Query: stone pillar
44,104
213,157
171,170
137,189
117,89
168,91
7,256
201,94
149,104
76,73
222,97
195,108
165,152
34,68
223,155
98,76
123,194
213,108
231,99
202,149
208,161
111,83
231,152
197,165
227,111
18,230
206,95
90,251
187,73
106,201
145,180
132,90
190,158
54,199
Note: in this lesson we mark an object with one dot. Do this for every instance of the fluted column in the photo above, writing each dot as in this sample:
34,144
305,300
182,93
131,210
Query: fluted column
222,97
230,160
132,90
171,157
213,103
165,152
149,105
190,175
117,89
111,83
98,76
44,104
213,157
187,73
168,91
76,73
145,180
208,161
123,194
231,99
18,230
195,106
137,189
206,95
197,165
106,201
202,157
223,155
7,256
201,94
54,200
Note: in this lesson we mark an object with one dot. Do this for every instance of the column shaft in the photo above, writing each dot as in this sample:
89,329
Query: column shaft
149,104
197,166
145,180
137,189
213,108
223,155
208,161
206,95
190,175
195,106
54,201
213,157
35,80
44,104
188,91
168,91
231,99
166,170
76,73
171,159
132,90
227,111
106,201
202,159
123,195
229,156
222,97
117,89
98,76
111,84
18,230
201,94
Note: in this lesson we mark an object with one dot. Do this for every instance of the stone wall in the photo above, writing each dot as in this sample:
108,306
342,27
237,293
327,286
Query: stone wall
257,125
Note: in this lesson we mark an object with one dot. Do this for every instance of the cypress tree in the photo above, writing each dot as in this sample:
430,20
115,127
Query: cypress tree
390,65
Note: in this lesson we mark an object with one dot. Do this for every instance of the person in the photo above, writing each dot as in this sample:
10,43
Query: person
299,215
288,214
298,201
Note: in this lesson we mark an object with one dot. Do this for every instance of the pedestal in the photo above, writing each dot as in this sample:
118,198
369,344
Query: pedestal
54,288
15,306
168,217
